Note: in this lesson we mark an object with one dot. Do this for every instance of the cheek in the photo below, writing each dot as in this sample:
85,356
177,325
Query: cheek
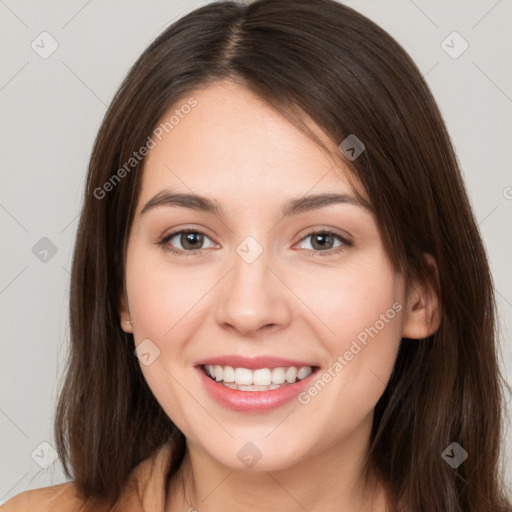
362,310
162,305
160,295
353,297
361,307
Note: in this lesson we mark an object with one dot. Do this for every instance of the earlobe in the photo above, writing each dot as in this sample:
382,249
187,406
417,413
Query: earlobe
124,313
127,326
422,315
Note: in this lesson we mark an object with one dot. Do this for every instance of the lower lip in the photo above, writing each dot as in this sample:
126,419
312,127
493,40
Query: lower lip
253,401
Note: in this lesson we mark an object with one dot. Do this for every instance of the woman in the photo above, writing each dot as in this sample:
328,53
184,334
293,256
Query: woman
279,296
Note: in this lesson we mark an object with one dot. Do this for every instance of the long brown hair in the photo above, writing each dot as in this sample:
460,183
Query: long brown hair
318,60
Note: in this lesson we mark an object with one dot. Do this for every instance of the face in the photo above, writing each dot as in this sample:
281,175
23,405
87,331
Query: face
257,294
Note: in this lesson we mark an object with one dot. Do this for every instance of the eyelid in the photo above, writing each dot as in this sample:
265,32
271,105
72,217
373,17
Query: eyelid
319,228
193,229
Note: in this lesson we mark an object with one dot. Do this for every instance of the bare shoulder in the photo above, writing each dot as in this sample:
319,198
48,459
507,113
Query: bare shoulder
62,497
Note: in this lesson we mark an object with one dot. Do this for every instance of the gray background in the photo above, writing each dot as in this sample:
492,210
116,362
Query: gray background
50,112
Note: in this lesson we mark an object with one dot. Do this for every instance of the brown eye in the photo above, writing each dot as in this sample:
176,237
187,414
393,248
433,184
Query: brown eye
191,242
323,243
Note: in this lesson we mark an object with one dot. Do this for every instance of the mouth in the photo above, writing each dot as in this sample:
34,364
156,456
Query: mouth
257,379
255,384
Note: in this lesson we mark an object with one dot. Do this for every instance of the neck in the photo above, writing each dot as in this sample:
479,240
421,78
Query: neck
327,480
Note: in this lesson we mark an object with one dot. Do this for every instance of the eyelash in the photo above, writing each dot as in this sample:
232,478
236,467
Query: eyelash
163,242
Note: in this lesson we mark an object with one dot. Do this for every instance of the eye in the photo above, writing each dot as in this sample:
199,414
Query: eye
191,242
323,243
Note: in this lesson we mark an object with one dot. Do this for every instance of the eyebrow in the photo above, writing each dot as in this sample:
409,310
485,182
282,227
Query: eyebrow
167,198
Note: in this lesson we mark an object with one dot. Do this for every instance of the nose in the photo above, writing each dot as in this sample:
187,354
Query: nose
252,298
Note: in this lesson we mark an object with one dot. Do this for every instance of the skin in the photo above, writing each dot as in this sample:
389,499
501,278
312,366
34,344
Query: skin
290,302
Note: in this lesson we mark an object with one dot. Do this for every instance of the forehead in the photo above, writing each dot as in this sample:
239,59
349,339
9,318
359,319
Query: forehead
231,144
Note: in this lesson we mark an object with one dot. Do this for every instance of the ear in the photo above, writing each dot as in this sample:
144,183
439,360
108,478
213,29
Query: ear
422,315
124,313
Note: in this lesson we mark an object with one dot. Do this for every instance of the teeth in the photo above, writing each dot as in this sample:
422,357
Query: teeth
228,374
250,388
291,375
262,377
303,372
278,375
243,376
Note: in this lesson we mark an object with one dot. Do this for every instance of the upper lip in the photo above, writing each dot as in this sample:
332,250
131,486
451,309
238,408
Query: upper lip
253,363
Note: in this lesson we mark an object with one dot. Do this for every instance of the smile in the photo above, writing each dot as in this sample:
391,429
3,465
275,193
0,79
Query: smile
256,389
261,379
